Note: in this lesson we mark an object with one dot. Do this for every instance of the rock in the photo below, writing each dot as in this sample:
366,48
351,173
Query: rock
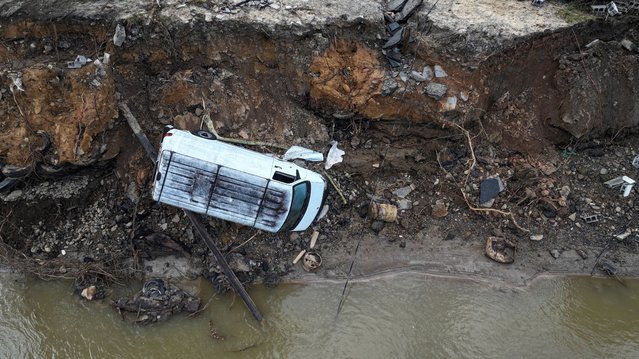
427,73
239,263
603,171
417,76
451,103
537,237
439,71
487,204
395,39
404,204
395,5
440,209
489,189
627,44
463,96
573,217
88,293
435,90
402,192
564,191
402,244
13,196
377,226
403,75
119,36
390,85
555,253
176,218
408,10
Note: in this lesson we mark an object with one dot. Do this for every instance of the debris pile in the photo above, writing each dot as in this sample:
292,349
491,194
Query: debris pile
158,300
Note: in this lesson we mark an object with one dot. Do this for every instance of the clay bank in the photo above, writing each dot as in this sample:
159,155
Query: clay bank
492,131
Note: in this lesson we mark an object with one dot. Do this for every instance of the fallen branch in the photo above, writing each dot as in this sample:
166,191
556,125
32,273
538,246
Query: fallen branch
339,191
209,124
473,162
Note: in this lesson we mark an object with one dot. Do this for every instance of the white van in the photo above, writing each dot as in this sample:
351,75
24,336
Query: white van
197,172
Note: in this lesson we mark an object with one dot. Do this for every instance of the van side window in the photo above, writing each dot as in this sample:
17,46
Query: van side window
301,194
283,177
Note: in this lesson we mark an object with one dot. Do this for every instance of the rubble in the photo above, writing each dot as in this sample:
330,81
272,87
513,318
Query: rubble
157,301
435,90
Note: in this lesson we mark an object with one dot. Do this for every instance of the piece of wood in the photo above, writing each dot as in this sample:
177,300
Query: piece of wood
197,224
314,239
299,256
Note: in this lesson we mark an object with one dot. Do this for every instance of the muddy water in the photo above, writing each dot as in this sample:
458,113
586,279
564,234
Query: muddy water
406,316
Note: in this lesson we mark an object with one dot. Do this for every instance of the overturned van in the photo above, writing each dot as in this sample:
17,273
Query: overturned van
197,172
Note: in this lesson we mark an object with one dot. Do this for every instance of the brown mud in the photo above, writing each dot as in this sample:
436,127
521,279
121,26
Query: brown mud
552,117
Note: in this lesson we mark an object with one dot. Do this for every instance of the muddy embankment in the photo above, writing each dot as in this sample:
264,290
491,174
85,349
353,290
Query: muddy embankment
548,111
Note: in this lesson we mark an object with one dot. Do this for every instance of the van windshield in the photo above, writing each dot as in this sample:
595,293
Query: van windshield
301,193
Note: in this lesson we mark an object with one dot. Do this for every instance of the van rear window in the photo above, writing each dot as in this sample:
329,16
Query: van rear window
301,194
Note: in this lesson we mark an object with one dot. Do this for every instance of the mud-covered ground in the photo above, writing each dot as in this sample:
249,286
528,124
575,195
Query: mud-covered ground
551,113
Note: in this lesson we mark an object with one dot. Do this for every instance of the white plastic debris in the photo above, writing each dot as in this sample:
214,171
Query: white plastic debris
119,36
334,156
302,153
79,61
635,162
624,182
16,82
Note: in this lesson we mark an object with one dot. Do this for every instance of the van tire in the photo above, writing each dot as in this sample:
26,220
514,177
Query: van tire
205,134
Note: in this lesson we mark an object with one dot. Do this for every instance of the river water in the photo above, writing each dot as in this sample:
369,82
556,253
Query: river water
405,316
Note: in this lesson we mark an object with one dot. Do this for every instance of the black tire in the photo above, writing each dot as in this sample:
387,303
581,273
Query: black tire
205,134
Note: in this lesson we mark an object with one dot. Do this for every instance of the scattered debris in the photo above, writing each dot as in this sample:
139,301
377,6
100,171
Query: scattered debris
382,211
299,256
119,36
79,61
627,44
428,73
582,253
624,182
314,237
302,153
312,261
555,253
417,76
635,162
213,333
489,189
537,237
395,39
88,293
500,250
408,10
402,192
157,300
451,103
594,218
435,90
439,71
537,2
592,43
440,209
624,235
334,156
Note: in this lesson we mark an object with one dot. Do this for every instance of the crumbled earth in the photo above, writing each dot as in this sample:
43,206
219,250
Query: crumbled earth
548,109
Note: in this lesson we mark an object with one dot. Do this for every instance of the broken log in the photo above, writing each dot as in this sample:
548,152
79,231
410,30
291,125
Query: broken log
197,224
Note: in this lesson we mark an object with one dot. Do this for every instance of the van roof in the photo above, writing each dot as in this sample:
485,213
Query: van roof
219,152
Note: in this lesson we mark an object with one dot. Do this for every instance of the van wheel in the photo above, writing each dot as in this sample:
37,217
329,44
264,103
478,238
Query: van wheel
205,134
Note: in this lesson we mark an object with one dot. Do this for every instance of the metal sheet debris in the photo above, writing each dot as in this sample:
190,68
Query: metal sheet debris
302,153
